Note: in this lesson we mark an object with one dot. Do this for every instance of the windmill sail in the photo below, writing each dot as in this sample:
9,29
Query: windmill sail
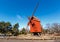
35,8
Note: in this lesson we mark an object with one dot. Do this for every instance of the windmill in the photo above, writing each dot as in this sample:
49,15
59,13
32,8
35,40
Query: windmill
34,23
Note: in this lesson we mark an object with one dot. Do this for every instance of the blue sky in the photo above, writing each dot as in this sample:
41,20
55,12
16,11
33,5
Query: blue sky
17,11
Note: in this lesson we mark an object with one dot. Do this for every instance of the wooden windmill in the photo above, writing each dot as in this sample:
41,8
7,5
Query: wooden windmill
34,23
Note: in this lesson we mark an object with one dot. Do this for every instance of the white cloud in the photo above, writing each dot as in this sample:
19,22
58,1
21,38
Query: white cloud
19,17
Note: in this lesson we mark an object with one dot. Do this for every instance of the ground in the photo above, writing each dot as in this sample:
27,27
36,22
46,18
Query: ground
30,38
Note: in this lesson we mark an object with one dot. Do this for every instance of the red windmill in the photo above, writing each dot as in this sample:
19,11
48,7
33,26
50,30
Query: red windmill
34,23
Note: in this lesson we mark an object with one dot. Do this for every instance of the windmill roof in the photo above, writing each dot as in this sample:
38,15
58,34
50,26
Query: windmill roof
36,18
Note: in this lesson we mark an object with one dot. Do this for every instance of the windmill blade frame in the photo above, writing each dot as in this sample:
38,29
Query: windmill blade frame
35,8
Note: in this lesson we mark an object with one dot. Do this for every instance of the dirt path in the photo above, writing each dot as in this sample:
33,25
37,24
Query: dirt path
29,40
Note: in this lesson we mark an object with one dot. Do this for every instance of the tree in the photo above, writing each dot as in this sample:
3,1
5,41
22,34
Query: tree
8,27
23,31
53,28
5,27
56,27
2,27
47,28
15,29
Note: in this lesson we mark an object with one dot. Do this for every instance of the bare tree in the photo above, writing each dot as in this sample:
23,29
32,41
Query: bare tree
52,28
56,27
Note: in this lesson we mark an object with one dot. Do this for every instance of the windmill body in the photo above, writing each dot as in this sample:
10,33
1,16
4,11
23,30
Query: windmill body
35,26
